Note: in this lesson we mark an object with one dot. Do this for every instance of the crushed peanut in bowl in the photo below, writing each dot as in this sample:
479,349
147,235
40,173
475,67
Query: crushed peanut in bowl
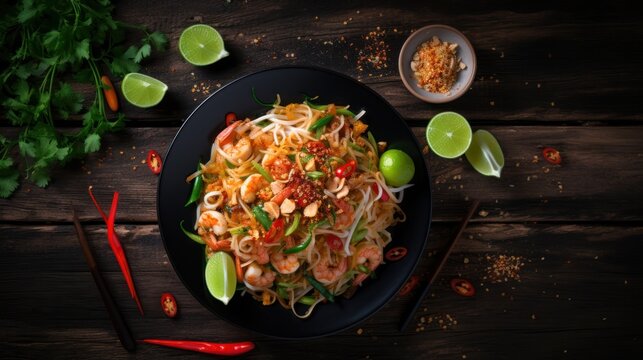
435,65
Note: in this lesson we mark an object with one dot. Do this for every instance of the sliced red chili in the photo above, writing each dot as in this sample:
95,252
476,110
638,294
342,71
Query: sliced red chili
169,305
410,285
334,242
376,189
396,253
276,231
463,287
154,162
346,170
552,155
230,118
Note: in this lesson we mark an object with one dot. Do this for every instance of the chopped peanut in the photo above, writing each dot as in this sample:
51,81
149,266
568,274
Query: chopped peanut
311,209
287,207
272,209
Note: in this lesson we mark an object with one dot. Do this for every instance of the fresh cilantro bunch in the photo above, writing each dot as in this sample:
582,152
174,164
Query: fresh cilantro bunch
48,48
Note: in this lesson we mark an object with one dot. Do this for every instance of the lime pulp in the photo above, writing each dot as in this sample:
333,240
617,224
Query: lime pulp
142,90
448,134
220,276
201,45
485,154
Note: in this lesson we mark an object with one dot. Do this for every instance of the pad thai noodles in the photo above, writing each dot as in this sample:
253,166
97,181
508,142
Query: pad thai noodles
296,198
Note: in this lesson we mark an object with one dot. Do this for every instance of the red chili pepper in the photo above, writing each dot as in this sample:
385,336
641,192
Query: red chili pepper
229,349
376,189
552,155
346,170
226,135
169,305
410,285
463,287
116,247
276,231
396,253
334,242
154,162
230,118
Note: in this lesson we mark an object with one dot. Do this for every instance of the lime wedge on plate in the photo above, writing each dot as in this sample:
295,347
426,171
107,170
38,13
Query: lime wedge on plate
201,45
485,154
448,134
142,90
220,276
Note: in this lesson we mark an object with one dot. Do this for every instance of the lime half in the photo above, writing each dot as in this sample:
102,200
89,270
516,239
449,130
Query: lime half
142,90
201,45
220,276
485,154
448,134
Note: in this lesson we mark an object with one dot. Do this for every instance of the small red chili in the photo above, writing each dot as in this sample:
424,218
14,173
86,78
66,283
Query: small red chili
463,287
230,118
396,253
334,242
552,155
276,231
169,306
410,285
376,189
154,162
346,170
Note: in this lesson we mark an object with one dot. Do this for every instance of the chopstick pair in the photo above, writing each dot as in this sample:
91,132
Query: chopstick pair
406,319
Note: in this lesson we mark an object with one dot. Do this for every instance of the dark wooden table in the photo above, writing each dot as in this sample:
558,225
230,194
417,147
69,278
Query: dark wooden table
549,74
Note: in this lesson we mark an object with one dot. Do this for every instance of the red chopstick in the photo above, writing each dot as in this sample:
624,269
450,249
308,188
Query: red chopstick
115,245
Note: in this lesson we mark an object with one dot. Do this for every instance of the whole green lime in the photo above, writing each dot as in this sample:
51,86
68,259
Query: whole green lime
397,167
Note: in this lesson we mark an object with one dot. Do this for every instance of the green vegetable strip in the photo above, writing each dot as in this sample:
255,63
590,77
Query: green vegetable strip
262,217
192,236
196,189
241,230
371,139
363,269
256,99
315,174
345,112
301,247
315,106
321,122
262,171
306,300
295,224
229,164
356,147
319,132
321,288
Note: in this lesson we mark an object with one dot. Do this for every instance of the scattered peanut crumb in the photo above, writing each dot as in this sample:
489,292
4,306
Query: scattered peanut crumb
483,213
360,331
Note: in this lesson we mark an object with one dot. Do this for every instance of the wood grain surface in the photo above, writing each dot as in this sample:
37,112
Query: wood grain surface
561,74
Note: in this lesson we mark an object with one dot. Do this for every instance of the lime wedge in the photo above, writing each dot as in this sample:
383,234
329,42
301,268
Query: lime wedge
142,90
201,45
485,154
448,134
220,276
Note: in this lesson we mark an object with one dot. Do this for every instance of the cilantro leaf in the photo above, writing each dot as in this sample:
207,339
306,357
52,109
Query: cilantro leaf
143,52
124,63
158,40
66,101
92,143
82,50
8,181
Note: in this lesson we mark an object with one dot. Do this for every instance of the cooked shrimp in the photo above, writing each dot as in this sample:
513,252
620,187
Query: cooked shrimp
215,245
260,253
327,272
250,186
239,151
278,166
258,276
285,264
346,217
213,221
369,255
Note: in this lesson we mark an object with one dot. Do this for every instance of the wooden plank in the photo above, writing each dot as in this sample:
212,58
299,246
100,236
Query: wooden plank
577,284
599,178
520,71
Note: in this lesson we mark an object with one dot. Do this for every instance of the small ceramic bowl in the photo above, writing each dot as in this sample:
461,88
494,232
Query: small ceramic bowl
464,51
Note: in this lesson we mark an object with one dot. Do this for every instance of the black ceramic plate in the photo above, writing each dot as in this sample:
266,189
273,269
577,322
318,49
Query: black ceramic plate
192,144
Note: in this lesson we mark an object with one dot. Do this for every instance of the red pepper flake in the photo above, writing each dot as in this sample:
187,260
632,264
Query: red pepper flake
169,305
410,285
463,287
374,54
552,155
396,253
154,162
